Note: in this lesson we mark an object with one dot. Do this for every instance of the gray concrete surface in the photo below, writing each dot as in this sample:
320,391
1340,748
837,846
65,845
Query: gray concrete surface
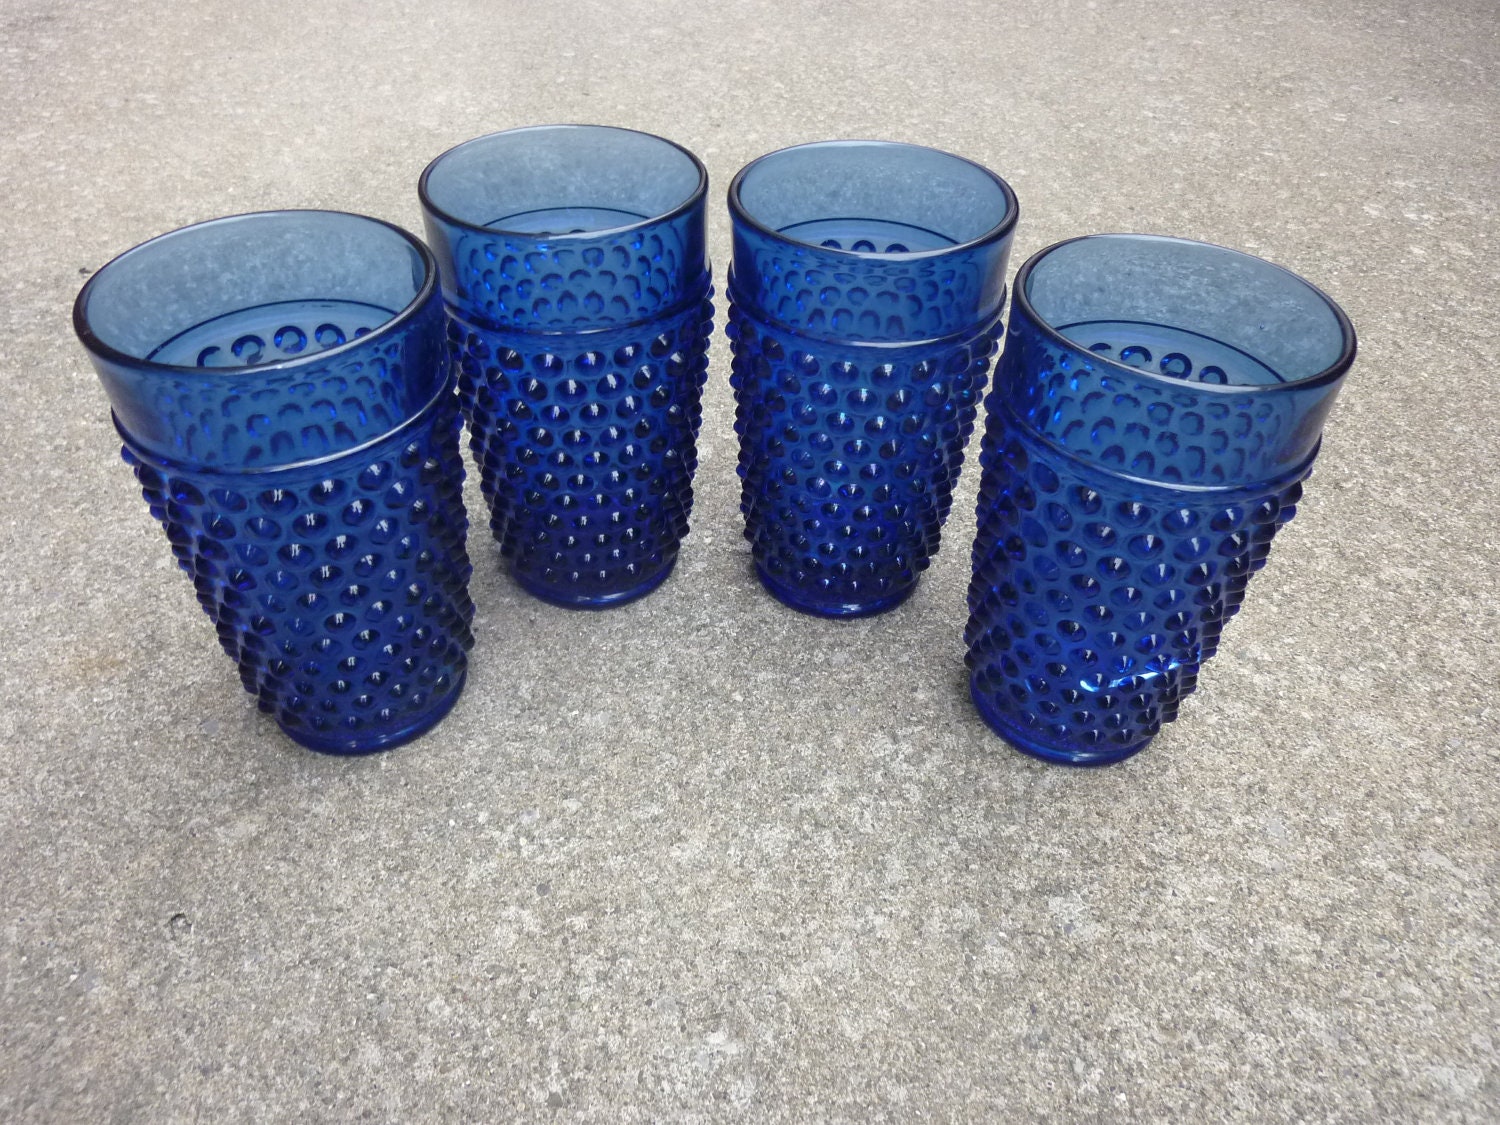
701,858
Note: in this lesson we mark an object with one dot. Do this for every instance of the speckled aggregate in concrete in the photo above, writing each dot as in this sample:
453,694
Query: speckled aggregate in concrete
702,858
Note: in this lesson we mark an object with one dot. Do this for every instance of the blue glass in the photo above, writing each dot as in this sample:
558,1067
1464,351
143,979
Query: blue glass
579,304
865,297
1157,408
283,391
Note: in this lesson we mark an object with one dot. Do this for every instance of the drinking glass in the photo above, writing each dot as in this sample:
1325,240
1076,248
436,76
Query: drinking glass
579,304
865,297
280,384
1158,405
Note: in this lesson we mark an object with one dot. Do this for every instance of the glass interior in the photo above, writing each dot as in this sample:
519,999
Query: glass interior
561,179
872,196
254,289
1186,310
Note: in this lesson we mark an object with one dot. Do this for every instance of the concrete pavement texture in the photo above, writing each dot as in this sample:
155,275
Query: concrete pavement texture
701,858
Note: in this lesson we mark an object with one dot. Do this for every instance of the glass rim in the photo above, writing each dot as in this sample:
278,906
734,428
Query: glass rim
141,450
1331,374
1006,224
691,200
90,340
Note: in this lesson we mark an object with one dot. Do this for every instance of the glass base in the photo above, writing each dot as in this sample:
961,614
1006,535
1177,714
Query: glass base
356,744
1002,726
798,600
553,596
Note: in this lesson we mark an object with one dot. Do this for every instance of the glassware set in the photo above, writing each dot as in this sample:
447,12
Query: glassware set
289,388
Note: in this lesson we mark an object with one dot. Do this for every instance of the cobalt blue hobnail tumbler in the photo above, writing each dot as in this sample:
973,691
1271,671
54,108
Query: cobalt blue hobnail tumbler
579,305
865,298
1158,406
284,395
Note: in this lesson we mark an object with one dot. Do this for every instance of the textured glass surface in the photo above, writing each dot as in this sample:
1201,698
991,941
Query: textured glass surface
283,392
1156,410
866,292
579,300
